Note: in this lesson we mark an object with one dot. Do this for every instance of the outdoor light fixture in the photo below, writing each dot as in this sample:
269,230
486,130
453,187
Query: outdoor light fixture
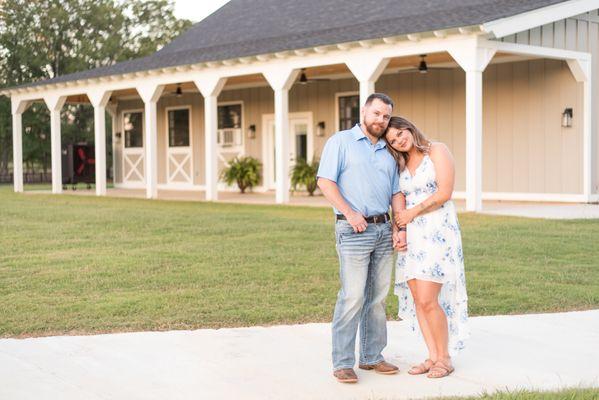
179,92
567,118
251,132
320,128
422,67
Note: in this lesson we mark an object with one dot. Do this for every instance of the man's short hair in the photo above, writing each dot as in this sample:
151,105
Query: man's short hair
382,97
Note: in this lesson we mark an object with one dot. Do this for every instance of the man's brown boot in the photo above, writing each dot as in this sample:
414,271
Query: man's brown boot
346,375
382,367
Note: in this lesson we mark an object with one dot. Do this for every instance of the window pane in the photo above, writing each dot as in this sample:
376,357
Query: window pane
301,141
133,127
349,111
178,128
301,145
229,117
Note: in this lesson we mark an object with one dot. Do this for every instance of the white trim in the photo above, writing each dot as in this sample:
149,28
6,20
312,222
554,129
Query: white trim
336,106
130,185
181,149
531,19
267,157
142,149
534,197
539,51
163,76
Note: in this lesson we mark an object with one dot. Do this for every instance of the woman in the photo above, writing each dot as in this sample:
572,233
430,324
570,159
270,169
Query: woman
429,277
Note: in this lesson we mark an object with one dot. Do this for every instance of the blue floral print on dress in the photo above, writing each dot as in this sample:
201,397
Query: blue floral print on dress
434,253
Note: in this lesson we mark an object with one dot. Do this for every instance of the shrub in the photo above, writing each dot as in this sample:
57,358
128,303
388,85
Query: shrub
245,171
304,174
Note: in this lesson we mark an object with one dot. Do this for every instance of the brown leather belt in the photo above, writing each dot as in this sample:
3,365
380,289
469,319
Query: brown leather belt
375,219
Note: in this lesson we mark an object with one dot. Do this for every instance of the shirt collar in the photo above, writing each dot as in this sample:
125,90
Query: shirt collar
358,135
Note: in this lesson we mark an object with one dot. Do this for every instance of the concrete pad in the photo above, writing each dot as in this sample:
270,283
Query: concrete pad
540,210
539,351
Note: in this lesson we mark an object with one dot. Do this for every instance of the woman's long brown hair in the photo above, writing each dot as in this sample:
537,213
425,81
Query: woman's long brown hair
422,144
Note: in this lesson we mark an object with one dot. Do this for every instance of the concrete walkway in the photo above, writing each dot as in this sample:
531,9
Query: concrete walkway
542,351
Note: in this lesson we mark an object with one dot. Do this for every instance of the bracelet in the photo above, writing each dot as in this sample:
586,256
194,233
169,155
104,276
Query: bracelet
402,229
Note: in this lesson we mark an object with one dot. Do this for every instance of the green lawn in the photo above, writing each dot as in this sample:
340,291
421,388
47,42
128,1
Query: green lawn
81,264
567,394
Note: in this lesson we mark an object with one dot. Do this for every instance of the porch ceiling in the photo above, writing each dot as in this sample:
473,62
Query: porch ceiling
335,71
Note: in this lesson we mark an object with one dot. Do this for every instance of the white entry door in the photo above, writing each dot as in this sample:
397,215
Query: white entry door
179,164
301,144
133,148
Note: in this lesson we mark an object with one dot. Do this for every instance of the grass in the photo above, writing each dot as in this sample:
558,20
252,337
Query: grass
81,264
567,394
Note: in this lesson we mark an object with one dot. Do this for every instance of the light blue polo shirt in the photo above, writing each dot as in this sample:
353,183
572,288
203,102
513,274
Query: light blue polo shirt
366,174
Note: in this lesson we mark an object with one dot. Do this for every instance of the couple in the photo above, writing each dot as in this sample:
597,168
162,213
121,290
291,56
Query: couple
386,161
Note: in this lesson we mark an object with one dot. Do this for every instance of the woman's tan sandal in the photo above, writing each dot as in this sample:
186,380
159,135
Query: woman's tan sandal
421,368
440,369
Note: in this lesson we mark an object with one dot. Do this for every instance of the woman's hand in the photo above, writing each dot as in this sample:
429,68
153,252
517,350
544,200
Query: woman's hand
404,217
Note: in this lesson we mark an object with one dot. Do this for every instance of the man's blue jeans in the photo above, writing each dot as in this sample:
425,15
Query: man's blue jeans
365,264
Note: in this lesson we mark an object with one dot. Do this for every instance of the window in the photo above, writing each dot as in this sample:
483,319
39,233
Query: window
301,142
133,128
229,117
229,125
178,128
349,111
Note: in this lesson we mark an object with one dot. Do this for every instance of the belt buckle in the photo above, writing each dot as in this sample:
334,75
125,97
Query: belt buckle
375,219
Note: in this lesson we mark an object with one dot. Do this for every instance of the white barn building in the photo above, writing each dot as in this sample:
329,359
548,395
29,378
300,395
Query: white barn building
509,86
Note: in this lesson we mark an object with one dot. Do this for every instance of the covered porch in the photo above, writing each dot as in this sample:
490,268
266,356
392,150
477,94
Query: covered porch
151,164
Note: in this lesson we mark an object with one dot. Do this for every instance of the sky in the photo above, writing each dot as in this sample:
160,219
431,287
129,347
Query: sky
196,10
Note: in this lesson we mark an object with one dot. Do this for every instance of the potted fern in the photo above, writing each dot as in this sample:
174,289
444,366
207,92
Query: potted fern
244,171
304,174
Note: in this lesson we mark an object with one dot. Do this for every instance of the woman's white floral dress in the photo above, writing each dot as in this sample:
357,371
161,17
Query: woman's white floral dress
434,254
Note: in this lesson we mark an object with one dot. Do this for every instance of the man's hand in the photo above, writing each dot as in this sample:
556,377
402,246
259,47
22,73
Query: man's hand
400,240
357,221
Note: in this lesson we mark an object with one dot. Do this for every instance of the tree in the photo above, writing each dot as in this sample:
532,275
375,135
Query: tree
42,39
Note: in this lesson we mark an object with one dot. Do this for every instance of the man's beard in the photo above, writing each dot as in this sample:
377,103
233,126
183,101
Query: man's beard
371,128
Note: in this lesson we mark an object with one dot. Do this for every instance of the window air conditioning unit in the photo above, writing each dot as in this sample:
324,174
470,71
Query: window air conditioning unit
229,137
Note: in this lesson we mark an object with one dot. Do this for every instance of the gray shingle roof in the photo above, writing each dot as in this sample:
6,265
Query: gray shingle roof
250,27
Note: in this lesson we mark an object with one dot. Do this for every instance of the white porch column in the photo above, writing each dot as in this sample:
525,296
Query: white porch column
210,87
281,80
581,69
150,93
18,108
473,60
366,71
99,99
112,110
55,104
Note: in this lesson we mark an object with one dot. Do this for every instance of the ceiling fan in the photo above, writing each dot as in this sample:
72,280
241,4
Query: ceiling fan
422,67
303,78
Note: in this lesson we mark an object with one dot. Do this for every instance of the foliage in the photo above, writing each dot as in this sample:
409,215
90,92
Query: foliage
304,174
244,171
43,39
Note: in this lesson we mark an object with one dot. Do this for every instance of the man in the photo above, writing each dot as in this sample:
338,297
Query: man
359,177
